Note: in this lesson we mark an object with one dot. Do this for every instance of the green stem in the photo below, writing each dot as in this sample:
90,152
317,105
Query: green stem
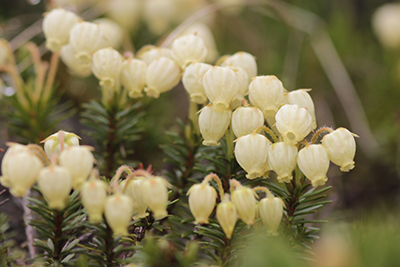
109,246
58,241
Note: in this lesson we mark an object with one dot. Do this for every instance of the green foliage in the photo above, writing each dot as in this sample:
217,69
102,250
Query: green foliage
58,231
114,129
38,120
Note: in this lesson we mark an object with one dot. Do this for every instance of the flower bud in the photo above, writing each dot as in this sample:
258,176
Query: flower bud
251,152
282,158
118,210
188,49
85,39
246,119
227,216
244,60
271,212
93,196
57,25
75,66
303,99
243,80
213,124
79,161
59,141
221,86
12,150
125,12
192,80
55,183
204,32
162,75
155,189
341,148
149,53
313,161
21,168
266,93
245,202
386,24
159,14
113,33
293,123
137,193
133,76
106,66
202,199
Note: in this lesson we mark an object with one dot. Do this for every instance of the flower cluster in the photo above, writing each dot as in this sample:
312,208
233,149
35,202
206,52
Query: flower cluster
64,165
290,116
242,204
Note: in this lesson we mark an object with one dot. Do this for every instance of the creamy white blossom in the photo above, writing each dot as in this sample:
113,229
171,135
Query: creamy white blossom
213,124
293,123
341,148
313,161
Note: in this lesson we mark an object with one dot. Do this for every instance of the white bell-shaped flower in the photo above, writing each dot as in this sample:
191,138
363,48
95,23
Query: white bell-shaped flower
113,33
85,39
106,66
244,60
245,202
246,119
57,25
155,189
159,14
202,199
266,93
163,74
282,158
243,80
118,210
341,148
93,196
75,66
386,24
21,168
13,149
293,123
79,161
227,216
203,31
221,86
57,142
251,152
188,49
302,98
271,212
192,80
133,76
149,53
313,161
126,13
213,124
137,193
55,183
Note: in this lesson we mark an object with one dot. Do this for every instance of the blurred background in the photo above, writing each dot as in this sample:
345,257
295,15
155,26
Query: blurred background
348,54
